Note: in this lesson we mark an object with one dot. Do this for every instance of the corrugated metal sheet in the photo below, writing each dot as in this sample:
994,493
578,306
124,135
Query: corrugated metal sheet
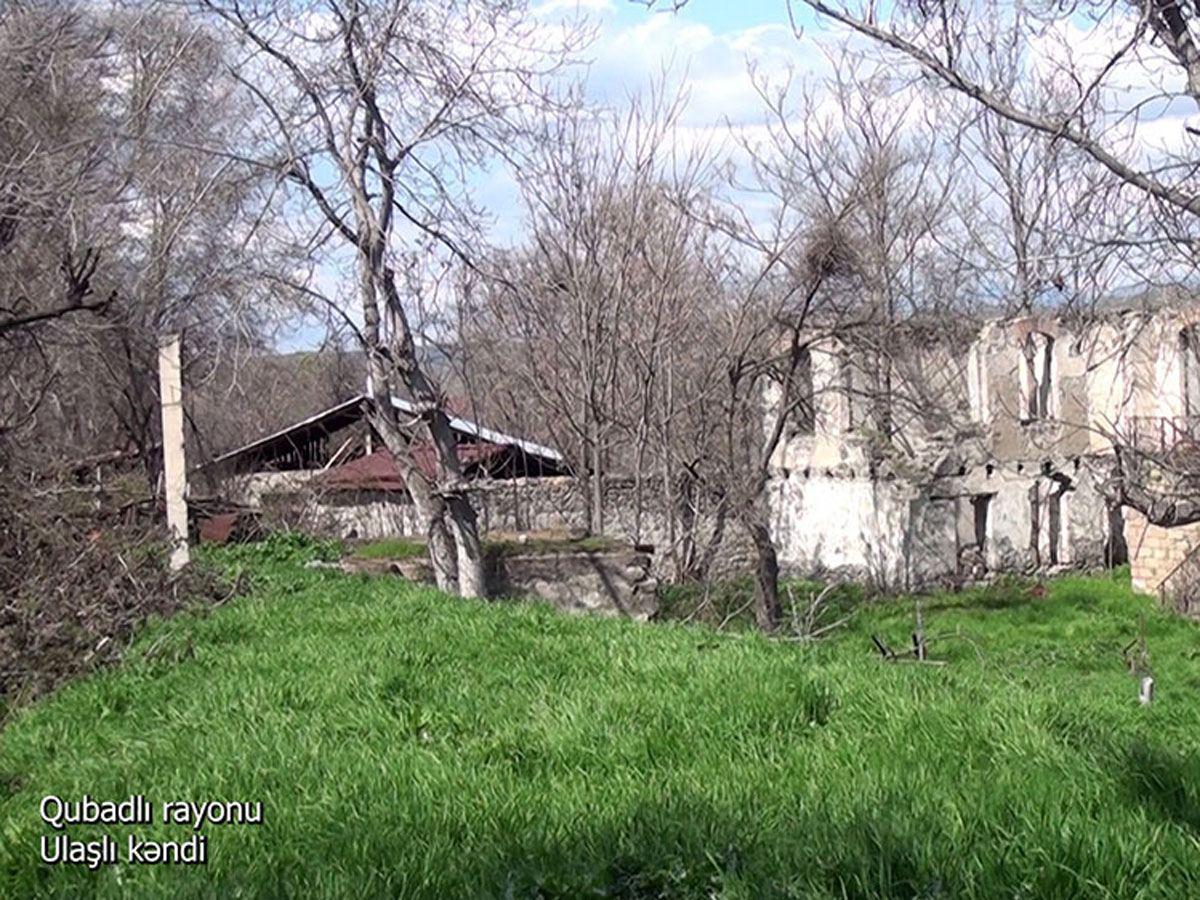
378,471
352,410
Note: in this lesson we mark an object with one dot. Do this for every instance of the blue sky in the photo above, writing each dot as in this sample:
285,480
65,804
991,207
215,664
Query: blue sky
713,39
708,46
719,15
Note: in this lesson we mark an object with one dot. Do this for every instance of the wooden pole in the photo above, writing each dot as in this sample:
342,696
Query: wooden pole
174,466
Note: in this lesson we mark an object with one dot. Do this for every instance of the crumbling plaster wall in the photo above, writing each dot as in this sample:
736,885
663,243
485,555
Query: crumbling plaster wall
932,414
1156,389
851,526
1156,362
1106,372
999,398
908,520
827,443
900,534
1085,526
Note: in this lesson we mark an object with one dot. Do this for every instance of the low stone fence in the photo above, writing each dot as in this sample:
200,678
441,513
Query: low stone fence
609,582
509,506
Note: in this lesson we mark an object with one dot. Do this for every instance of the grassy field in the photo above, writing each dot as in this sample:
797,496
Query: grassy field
405,744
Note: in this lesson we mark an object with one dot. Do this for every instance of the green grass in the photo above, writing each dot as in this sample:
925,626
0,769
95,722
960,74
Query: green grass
405,744
730,604
391,548
412,548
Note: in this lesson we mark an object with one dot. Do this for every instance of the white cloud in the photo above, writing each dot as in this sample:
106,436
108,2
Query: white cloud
557,7
1081,50
716,71
1141,91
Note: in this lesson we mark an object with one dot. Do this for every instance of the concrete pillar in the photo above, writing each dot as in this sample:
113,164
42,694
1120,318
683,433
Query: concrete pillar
174,465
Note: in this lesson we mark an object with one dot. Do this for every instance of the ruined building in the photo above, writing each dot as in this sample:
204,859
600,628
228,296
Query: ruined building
944,457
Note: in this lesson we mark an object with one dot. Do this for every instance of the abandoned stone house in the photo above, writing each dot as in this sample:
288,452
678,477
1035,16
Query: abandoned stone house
329,473
998,446
986,453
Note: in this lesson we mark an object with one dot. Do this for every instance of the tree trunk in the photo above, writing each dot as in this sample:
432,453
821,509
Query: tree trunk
459,516
442,555
449,489
768,611
442,508
430,508
597,485
712,546
464,527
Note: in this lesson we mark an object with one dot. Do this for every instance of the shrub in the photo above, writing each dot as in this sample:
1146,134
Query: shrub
80,573
280,547
730,603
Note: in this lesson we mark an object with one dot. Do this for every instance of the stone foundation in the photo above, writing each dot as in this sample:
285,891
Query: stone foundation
614,583
508,507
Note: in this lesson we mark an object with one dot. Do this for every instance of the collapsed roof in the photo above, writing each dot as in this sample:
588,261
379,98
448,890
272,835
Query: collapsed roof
340,441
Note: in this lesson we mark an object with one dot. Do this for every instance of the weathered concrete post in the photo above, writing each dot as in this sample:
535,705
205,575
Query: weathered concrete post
174,467
1146,691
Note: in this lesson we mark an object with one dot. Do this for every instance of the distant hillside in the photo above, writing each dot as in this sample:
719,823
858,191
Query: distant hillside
269,391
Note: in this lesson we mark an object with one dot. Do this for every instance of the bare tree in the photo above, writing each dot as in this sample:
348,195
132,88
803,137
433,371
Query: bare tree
191,222
50,62
1077,127
80,569
114,228
768,353
376,113
600,308
846,250
1065,125
956,44
865,228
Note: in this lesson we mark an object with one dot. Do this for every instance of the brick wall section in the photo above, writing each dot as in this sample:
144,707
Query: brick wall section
1155,552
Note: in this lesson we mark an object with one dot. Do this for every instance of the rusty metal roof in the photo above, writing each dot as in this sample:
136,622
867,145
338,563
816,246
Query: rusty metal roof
352,410
378,471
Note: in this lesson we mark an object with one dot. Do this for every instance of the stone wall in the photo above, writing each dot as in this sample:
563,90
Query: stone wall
516,506
252,488
615,583
618,583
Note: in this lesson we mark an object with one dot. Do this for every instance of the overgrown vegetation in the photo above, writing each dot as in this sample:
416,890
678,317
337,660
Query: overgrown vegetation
391,548
729,605
280,547
80,574
407,744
